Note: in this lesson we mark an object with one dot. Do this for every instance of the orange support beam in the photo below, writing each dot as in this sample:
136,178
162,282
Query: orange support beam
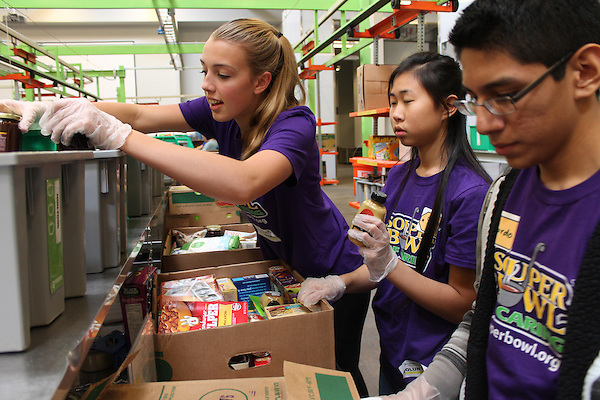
28,57
26,80
402,16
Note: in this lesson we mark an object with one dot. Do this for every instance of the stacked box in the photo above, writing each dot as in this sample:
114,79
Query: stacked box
285,282
254,285
135,297
228,289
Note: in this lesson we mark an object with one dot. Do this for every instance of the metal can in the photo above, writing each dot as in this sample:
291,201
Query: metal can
10,135
78,142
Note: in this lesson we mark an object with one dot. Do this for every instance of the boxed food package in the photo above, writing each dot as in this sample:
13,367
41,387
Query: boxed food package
228,289
384,147
285,282
190,304
255,285
207,354
135,297
286,310
373,86
180,262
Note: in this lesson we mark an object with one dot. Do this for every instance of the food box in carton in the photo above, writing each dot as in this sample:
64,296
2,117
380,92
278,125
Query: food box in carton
182,262
183,200
206,354
135,297
373,86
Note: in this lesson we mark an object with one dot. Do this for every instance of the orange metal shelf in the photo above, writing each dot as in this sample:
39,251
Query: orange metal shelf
378,112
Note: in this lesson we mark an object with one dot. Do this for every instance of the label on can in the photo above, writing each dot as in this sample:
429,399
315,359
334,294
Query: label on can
2,141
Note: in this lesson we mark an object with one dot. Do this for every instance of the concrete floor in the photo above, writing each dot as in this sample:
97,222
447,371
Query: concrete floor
342,194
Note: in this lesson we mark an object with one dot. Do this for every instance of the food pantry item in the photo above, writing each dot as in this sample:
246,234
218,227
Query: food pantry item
78,142
201,288
285,282
180,316
181,238
375,207
10,135
251,285
271,298
228,289
285,310
205,244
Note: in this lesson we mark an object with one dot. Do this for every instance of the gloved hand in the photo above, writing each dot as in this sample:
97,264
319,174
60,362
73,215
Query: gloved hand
419,389
66,117
29,111
378,255
314,289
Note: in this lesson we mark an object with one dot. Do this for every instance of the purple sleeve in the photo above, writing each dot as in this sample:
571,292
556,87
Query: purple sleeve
197,114
293,136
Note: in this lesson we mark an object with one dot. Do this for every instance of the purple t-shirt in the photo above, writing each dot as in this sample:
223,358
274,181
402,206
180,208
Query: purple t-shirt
409,334
295,221
528,325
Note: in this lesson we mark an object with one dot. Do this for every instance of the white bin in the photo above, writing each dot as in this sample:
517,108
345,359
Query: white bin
31,184
103,202
73,221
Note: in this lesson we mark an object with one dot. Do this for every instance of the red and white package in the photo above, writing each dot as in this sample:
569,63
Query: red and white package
179,316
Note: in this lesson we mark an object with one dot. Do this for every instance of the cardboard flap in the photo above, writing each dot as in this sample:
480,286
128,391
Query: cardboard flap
143,367
230,389
300,382
305,382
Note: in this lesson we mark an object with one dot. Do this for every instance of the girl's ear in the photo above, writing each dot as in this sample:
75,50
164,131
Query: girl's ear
449,108
262,82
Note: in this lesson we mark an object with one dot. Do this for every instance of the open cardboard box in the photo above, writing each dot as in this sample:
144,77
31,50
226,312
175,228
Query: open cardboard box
183,200
299,382
213,217
205,354
181,262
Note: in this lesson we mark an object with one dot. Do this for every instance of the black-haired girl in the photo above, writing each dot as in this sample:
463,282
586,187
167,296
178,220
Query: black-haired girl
422,259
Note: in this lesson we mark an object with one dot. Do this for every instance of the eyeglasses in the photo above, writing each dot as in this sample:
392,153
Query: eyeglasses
505,105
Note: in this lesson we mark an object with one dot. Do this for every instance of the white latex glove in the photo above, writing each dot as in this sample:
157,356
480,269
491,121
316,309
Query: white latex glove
419,389
314,289
66,117
378,255
29,111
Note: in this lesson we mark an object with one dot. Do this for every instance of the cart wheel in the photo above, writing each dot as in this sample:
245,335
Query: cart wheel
454,5
395,4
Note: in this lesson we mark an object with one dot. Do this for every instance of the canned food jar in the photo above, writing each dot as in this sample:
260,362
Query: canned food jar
78,142
10,135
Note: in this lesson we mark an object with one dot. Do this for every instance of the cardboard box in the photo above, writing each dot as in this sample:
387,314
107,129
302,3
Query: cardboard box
328,142
373,86
135,297
214,217
306,339
299,382
181,262
183,200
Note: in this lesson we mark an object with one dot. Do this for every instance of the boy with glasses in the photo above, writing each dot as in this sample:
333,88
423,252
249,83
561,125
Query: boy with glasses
532,70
